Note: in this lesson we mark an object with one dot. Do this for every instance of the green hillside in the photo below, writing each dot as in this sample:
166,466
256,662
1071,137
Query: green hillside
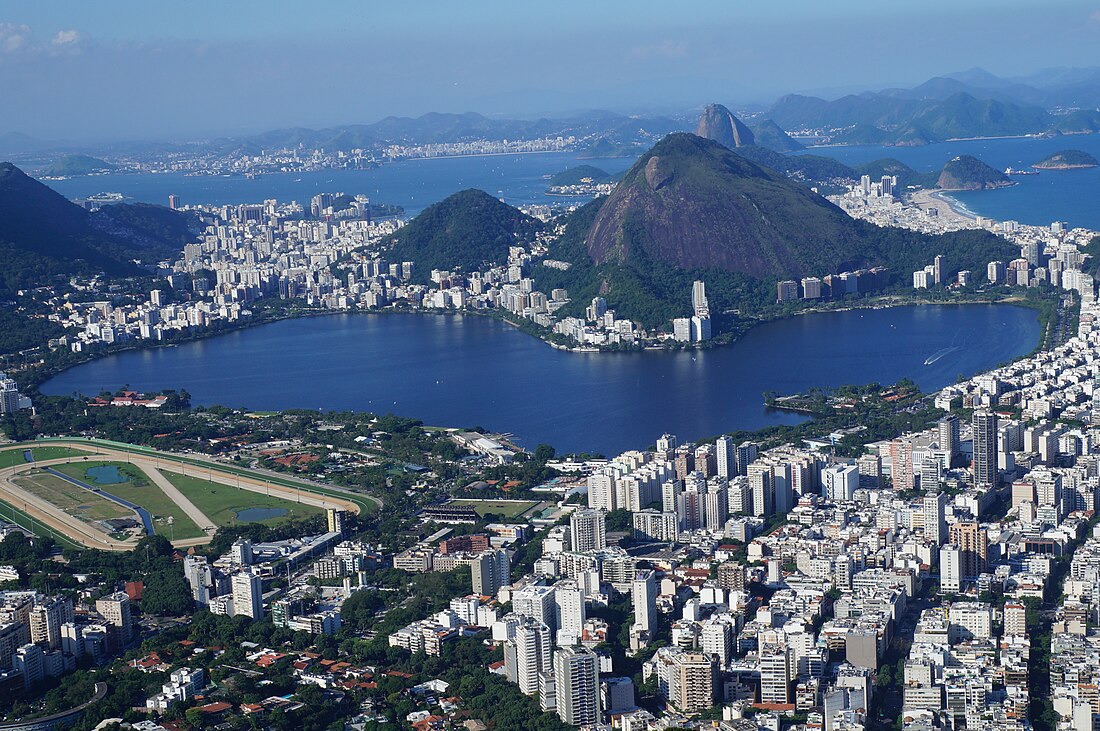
71,165
467,230
807,168
581,174
864,134
42,234
1081,121
692,209
969,173
691,203
1067,160
604,148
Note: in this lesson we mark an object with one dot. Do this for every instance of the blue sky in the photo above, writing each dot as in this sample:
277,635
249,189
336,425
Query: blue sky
94,70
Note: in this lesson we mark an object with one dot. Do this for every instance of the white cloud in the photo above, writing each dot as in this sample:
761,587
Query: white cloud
13,37
66,38
17,40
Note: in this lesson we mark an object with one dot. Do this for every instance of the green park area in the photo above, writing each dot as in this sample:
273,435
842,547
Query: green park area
503,508
226,505
131,483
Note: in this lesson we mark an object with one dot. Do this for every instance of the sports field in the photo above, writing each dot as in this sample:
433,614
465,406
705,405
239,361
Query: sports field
75,501
187,509
504,508
169,518
221,503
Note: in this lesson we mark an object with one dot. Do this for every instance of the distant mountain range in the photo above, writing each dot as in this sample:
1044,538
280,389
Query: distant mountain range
882,118
446,128
973,103
42,234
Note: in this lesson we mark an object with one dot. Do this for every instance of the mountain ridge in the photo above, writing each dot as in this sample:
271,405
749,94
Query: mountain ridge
42,234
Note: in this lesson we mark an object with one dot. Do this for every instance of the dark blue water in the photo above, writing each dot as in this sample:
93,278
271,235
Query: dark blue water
414,184
1052,195
106,474
252,515
473,371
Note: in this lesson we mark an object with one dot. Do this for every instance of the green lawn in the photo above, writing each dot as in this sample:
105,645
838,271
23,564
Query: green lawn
13,457
140,490
221,503
79,470
42,453
74,500
505,508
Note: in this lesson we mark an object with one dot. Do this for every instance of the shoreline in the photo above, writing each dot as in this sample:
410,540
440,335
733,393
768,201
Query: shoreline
956,210
875,304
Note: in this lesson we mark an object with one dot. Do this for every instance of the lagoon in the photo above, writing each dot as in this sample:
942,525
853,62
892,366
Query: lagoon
465,371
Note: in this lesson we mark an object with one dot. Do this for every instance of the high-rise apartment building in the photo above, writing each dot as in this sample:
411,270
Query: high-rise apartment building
527,655
490,571
338,520
569,613
587,530
947,435
46,618
690,681
760,484
901,463
973,544
536,602
985,448
644,594
115,610
577,685
725,456
746,455
248,595
775,675
935,526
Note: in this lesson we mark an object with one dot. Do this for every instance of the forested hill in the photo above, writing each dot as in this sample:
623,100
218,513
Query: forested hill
692,209
42,234
467,230
969,173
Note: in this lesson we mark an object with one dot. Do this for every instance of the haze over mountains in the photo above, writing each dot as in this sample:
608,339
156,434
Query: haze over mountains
971,103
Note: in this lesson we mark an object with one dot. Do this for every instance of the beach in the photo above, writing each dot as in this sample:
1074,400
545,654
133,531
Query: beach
950,210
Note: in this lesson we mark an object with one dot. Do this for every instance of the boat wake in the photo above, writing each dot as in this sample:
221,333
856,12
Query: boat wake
939,354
